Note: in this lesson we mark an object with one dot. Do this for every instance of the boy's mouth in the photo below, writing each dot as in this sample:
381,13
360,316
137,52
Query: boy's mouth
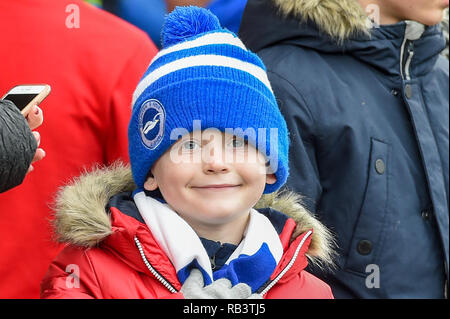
217,186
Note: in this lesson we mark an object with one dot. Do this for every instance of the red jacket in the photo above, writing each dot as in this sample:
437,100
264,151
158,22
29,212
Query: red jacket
93,71
116,256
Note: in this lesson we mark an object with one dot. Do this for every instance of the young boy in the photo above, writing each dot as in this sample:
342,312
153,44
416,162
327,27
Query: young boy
206,140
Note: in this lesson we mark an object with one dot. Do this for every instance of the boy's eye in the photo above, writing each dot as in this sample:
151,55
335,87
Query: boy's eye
238,142
190,145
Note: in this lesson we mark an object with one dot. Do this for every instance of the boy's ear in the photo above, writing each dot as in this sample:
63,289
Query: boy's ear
271,179
150,184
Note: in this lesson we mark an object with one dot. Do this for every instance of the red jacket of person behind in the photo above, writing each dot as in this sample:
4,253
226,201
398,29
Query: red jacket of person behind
112,254
93,61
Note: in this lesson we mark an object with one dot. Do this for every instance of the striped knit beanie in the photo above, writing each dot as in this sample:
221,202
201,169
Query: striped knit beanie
204,74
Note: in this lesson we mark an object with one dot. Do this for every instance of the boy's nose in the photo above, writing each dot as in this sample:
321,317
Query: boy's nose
214,162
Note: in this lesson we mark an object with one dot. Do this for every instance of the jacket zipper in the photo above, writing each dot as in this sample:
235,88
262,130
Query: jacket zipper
413,32
289,265
154,272
408,61
406,70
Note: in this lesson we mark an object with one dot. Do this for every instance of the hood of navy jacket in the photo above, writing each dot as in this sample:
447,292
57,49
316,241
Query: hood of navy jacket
309,25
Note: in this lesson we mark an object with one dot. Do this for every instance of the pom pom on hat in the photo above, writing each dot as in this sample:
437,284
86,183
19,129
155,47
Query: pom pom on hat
186,22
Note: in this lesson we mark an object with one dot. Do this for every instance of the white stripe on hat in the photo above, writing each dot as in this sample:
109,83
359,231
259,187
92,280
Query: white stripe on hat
201,60
207,39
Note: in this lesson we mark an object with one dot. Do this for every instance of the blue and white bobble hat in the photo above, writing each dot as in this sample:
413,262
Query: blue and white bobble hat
204,73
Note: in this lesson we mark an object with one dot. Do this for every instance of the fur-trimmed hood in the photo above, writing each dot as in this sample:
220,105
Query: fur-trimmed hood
337,18
80,217
332,20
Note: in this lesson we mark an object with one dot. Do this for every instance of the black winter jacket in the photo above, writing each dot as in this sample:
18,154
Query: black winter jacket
17,146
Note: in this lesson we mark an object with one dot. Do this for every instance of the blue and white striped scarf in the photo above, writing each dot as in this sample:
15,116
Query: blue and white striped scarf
253,261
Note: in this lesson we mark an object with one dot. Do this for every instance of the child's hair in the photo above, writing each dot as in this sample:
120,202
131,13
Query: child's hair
204,77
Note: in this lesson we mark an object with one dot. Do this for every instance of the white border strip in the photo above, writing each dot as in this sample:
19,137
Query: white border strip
201,60
208,39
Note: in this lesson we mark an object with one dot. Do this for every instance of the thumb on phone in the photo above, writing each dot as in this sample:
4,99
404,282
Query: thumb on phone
35,117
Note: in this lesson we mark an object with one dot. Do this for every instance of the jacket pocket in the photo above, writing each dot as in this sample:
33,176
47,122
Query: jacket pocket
369,231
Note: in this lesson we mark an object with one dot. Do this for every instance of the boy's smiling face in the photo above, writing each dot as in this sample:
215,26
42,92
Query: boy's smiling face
210,178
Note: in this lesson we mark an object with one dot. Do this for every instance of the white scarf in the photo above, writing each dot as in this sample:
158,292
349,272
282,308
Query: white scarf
253,261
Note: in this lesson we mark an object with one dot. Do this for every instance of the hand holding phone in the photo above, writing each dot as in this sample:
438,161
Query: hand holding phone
27,98
26,95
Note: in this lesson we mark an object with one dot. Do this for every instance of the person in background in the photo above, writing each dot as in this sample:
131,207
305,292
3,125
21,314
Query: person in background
149,14
18,144
365,93
229,12
93,61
